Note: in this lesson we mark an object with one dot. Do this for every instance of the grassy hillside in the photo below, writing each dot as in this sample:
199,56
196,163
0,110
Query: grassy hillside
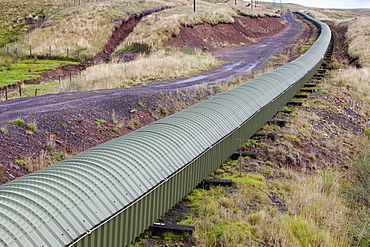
18,16
79,32
85,28
354,77
157,29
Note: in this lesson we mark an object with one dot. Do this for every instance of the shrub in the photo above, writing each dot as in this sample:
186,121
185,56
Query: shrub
18,122
99,121
32,126
188,50
58,156
50,144
29,132
135,47
4,130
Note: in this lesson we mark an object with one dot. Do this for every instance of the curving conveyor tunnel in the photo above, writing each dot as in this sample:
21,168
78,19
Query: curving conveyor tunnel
109,194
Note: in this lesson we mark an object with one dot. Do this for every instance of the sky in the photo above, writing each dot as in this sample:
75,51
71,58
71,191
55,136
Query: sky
330,3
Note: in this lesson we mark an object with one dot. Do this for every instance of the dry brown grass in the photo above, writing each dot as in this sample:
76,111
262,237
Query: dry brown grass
34,164
318,199
316,213
358,36
84,29
331,15
355,78
77,30
157,29
358,194
159,65
355,81
16,14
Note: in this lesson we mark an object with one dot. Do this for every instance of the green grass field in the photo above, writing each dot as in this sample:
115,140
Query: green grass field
24,70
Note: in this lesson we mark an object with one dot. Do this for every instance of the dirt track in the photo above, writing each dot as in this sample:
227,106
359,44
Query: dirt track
239,61
69,119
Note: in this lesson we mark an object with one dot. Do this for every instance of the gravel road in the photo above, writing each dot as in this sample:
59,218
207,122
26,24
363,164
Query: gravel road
239,61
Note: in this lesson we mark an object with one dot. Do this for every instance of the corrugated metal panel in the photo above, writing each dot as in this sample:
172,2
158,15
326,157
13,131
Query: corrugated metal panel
127,183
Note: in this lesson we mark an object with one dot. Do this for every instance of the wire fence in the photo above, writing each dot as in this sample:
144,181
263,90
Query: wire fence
85,60
69,54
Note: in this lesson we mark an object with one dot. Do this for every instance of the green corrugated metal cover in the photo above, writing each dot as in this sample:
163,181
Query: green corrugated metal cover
56,205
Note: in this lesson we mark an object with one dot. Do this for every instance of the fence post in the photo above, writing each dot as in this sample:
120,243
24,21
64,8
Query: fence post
36,92
30,51
67,52
50,51
20,91
70,77
6,93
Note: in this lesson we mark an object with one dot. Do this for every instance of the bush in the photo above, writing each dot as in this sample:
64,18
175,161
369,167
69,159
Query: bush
135,47
18,122
4,130
32,127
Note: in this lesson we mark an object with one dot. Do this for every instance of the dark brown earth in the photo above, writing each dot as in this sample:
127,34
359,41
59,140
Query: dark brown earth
242,59
242,31
69,123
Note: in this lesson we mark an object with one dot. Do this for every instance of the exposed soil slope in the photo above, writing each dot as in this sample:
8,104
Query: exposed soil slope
243,59
242,31
69,123
204,36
